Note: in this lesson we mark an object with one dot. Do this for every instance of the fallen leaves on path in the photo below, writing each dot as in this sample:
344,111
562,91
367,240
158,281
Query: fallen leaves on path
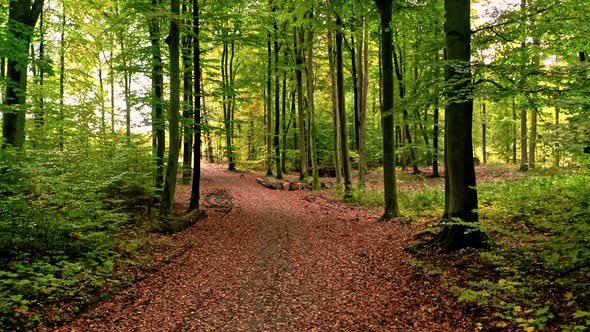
281,261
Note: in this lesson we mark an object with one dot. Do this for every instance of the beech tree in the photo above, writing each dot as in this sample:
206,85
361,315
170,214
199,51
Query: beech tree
22,18
391,209
173,112
460,190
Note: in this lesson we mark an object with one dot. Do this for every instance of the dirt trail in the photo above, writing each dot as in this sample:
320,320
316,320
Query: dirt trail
281,261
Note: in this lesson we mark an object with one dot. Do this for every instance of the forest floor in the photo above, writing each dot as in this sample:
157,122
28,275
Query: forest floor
274,260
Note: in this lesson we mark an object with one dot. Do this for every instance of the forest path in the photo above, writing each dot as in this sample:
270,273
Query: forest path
280,261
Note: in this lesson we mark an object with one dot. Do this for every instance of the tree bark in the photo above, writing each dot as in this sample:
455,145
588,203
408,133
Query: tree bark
196,181
157,77
315,183
298,39
363,85
277,133
483,132
22,17
335,119
268,132
460,171
173,113
342,111
391,209
187,97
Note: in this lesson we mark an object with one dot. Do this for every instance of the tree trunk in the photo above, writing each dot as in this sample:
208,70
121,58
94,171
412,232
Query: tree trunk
187,97
157,77
435,135
335,119
402,94
277,133
342,111
483,132
22,17
460,170
196,183
300,113
62,67
363,85
514,134
268,132
315,184
391,209
533,137
173,113
524,163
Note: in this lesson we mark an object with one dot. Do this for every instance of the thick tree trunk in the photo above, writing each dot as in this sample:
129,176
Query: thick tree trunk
460,170
173,113
391,209
22,17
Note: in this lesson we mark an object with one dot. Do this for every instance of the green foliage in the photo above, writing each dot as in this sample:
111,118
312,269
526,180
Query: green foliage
60,215
541,265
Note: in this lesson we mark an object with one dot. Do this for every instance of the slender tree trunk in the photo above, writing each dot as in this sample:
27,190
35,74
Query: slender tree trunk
103,109
483,132
524,163
268,133
355,88
62,69
173,113
315,184
402,94
40,114
435,136
284,127
277,133
187,97
342,111
533,137
157,77
362,106
196,183
514,134
391,209
335,117
112,83
300,113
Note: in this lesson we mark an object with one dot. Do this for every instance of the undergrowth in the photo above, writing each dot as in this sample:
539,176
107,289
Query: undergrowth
537,274
61,214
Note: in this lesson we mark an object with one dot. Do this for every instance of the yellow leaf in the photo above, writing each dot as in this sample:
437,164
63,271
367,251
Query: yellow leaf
568,295
501,281
529,329
501,324
517,308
